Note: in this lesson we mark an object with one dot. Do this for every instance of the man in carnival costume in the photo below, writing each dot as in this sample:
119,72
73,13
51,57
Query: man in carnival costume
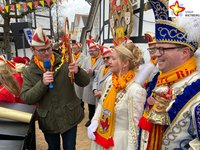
79,58
59,110
147,71
102,74
91,64
171,117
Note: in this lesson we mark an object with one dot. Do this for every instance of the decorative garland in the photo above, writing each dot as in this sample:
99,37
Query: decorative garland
63,58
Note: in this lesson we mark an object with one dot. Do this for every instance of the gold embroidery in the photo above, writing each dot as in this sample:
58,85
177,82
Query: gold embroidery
160,11
170,136
132,124
177,129
173,34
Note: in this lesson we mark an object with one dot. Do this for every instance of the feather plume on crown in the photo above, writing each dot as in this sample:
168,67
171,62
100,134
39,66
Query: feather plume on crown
192,27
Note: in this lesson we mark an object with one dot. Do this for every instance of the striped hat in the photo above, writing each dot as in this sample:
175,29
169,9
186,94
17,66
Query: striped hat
39,38
104,50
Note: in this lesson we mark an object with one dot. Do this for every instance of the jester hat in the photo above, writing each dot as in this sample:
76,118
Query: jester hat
91,43
39,38
104,50
150,38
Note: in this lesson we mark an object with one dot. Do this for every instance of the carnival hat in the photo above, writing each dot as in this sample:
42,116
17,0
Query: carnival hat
171,30
104,50
150,38
19,60
91,43
26,58
39,38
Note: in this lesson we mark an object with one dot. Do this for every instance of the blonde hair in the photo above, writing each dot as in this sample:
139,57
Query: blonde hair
7,80
128,51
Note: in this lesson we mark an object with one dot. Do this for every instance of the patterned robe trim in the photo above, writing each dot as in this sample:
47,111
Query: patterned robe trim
197,120
184,99
151,85
180,112
132,124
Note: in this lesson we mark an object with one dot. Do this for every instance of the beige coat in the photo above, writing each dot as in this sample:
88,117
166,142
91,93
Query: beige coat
99,80
78,89
88,96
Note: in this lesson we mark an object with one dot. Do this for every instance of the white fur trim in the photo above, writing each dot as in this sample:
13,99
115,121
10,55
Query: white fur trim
144,72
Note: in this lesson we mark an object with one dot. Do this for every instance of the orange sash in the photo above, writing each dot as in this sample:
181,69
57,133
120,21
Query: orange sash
76,56
94,59
105,70
40,63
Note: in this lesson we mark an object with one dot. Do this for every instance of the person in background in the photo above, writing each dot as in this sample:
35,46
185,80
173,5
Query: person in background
78,58
102,74
59,110
148,69
114,125
91,64
172,121
150,38
10,84
57,48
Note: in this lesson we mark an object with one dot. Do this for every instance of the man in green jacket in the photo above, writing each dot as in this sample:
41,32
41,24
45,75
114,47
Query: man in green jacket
59,110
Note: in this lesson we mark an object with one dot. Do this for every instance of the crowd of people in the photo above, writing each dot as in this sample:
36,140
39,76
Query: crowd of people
132,105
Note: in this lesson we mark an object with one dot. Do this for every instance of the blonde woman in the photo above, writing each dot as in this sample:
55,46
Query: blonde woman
114,125
10,84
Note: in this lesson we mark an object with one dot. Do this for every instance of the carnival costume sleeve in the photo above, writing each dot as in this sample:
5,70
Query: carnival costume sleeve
136,101
195,143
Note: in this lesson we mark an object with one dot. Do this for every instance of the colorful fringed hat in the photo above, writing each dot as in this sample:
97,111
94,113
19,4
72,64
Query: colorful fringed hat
122,41
39,38
172,30
104,50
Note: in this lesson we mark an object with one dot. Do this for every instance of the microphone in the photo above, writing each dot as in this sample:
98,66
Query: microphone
47,66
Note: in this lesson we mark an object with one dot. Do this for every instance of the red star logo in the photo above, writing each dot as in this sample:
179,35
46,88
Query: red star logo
176,8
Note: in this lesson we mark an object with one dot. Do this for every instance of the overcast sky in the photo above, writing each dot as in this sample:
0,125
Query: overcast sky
73,7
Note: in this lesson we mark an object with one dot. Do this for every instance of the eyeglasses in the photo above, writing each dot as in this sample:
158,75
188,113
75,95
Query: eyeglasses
43,51
92,50
108,57
161,49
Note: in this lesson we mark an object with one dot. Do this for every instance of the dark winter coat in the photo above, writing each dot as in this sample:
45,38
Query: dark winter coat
59,108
